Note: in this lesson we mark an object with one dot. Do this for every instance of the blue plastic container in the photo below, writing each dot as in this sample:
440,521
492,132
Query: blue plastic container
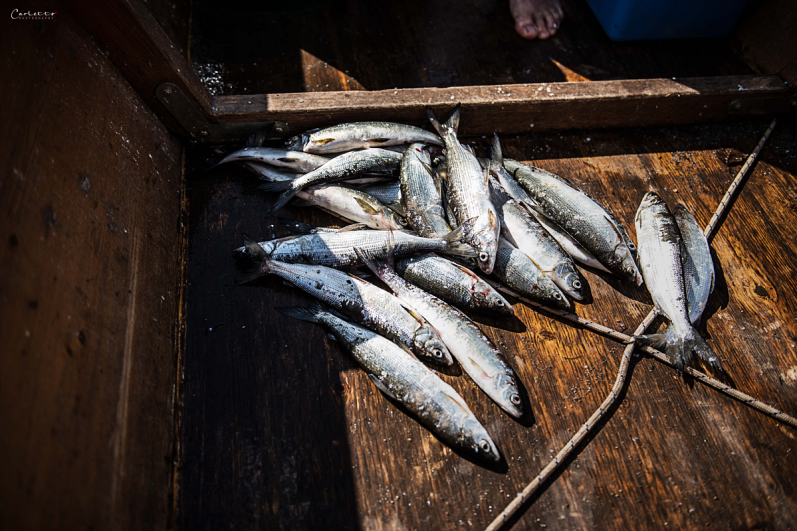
643,20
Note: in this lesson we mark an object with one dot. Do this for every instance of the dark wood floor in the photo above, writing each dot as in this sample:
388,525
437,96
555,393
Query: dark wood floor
280,430
245,47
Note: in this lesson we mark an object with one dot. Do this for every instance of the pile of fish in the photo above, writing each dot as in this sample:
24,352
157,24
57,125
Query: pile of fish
432,233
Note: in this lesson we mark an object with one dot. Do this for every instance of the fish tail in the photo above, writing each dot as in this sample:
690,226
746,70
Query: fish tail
312,313
435,123
380,266
454,244
287,191
497,157
253,251
697,344
453,121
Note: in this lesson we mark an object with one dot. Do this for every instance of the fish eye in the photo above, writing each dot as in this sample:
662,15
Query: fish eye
484,445
402,222
515,399
577,284
557,296
437,353
484,256
499,302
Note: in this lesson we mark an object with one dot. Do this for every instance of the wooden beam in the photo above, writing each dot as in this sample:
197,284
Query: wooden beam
514,108
141,50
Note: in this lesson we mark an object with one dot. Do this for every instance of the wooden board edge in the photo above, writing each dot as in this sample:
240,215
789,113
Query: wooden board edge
515,108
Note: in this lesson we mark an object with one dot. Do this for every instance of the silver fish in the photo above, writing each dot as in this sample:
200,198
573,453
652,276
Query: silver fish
474,351
696,262
269,173
337,169
453,283
660,257
420,194
394,371
517,271
582,217
294,160
336,249
361,301
523,231
516,192
468,194
361,135
353,205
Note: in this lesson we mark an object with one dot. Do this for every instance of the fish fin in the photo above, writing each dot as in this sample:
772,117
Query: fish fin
288,159
382,387
378,140
257,138
458,401
455,246
453,121
353,226
435,123
482,372
323,141
487,174
427,167
275,186
368,209
310,313
296,227
657,341
397,208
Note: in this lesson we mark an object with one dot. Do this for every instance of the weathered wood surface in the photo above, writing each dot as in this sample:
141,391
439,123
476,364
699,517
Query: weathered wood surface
90,187
142,51
514,108
280,430
763,36
257,47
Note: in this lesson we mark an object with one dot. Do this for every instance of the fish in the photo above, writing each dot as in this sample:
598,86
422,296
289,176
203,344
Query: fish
353,205
468,194
474,351
337,169
363,135
336,249
387,192
523,231
660,257
360,301
453,283
516,192
696,262
269,173
298,161
519,272
582,217
393,370
420,194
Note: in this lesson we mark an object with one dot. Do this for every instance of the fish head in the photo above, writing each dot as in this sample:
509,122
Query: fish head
489,300
549,293
427,345
509,393
392,220
479,442
571,281
485,240
628,264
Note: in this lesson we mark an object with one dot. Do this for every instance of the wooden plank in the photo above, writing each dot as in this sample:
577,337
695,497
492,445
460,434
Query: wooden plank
269,403
514,108
142,52
764,38
89,280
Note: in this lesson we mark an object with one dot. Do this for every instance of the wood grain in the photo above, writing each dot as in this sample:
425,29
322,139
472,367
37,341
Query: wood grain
514,108
89,271
271,403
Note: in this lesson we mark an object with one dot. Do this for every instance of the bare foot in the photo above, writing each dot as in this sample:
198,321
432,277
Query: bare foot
536,19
